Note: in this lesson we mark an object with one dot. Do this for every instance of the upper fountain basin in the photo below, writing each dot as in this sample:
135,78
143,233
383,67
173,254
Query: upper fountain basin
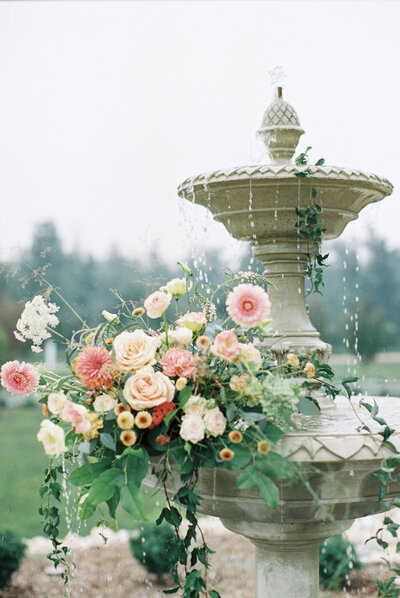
257,203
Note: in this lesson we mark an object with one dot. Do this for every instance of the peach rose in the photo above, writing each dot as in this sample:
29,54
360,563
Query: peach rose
226,345
156,304
134,350
147,389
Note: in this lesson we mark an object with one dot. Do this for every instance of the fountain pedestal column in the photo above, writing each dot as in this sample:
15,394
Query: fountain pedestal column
285,262
287,555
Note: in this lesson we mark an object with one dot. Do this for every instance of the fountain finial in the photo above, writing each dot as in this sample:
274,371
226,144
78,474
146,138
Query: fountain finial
280,129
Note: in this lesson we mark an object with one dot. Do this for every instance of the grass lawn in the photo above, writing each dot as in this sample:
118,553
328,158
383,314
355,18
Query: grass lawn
382,371
22,464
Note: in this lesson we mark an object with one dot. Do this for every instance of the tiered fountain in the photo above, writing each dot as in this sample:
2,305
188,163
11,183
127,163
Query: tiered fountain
257,204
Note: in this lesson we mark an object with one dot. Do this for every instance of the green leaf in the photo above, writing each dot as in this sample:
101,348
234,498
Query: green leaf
86,510
248,478
268,491
107,440
320,162
131,501
113,503
137,466
82,475
273,433
185,395
307,407
103,487
172,590
274,466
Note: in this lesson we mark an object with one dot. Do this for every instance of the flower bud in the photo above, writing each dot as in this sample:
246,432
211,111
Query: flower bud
110,317
180,383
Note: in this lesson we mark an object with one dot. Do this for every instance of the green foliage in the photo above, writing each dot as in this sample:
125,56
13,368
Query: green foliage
337,558
152,545
310,227
11,552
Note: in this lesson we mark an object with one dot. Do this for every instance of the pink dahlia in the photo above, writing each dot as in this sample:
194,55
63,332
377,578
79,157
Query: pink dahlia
248,305
19,378
178,362
226,346
94,367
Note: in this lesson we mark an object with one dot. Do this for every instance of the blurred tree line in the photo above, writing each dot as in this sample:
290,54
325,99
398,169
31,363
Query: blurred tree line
359,310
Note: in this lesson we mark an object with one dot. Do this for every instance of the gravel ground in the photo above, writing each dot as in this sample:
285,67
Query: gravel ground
111,572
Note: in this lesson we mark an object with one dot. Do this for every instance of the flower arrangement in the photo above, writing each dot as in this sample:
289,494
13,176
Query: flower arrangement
199,393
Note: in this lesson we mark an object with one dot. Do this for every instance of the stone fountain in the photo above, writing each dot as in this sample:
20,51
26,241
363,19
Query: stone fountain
257,204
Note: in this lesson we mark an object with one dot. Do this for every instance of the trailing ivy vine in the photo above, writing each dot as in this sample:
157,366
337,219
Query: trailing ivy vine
310,227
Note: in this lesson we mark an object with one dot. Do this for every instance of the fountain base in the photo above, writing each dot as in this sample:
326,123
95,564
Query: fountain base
287,555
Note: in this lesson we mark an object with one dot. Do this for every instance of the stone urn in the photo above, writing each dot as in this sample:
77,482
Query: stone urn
335,461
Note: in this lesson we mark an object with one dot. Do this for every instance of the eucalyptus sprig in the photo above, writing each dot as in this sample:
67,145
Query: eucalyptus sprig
310,227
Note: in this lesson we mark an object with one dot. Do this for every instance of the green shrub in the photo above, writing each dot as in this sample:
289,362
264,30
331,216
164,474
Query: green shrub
337,558
150,547
11,552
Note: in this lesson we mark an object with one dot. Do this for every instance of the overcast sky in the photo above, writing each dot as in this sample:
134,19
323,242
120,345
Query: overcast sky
105,107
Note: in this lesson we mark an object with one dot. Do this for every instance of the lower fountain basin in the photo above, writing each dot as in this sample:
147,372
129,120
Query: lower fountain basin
335,464
335,484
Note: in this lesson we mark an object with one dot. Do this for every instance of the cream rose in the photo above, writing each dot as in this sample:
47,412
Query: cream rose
192,428
148,388
104,403
156,304
134,350
249,352
52,437
180,335
215,422
56,402
195,406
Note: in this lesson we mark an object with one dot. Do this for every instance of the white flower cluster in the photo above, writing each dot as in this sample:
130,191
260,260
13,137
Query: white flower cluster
198,420
35,320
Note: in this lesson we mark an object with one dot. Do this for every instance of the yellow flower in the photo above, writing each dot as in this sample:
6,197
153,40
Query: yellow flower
235,436
125,420
45,410
264,447
89,337
120,408
143,419
226,454
95,425
293,360
310,369
180,383
139,311
128,438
